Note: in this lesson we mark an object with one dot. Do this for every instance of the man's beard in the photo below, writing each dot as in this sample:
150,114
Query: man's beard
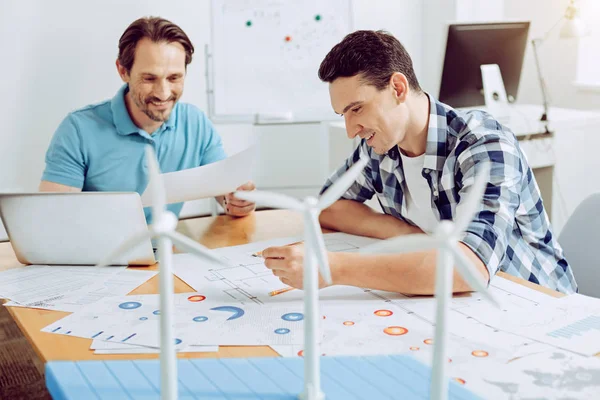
144,104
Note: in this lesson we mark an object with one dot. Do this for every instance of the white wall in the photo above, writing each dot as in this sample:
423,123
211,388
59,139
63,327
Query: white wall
558,57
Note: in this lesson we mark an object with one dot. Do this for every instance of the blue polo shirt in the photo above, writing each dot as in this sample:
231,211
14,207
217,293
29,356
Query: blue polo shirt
99,148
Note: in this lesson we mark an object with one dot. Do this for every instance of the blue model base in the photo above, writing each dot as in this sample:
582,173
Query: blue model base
373,377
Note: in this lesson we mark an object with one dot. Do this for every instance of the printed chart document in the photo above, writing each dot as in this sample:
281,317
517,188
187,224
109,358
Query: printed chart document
102,347
197,321
246,279
553,374
571,323
117,285
36,284
210,180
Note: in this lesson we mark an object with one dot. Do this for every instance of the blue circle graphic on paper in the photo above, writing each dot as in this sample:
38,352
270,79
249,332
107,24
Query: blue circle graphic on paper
293,316
130,305
200,319
143,318
156,312
177,341
236,311
282,331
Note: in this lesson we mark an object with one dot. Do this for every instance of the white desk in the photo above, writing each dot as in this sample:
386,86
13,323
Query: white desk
563,162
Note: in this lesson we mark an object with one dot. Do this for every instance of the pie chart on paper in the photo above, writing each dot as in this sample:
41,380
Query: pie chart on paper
236,312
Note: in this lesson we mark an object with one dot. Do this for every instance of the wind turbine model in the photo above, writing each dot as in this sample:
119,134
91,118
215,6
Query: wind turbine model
315,253
163,227
445,240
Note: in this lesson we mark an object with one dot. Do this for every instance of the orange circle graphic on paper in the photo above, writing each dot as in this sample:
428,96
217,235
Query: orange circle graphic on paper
414,348
383,313
196,298
460,380
395,330
428,341
480,353
301,353
348,323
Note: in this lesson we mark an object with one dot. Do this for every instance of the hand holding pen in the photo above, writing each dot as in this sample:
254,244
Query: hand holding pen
287,263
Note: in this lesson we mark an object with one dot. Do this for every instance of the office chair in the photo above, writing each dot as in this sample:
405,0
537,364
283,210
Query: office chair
579,239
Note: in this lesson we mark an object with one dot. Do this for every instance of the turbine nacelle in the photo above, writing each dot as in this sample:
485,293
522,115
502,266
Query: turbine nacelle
166,222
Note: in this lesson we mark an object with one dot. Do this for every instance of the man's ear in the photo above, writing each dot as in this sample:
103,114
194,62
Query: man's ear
122,72
400,86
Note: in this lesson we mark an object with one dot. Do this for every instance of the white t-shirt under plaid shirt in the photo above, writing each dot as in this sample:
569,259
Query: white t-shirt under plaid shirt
418,195
511,231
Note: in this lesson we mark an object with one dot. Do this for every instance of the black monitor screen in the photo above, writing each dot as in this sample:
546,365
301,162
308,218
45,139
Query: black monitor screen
471,45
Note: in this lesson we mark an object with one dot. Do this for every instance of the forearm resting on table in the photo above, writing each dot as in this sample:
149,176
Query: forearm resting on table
356,218
410,273
46,186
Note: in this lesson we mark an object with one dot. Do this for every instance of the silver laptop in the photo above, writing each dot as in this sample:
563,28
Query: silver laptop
74,228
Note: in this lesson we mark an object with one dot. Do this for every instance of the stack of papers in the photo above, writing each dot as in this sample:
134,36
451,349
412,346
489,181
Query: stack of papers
37,284
67,288
232,306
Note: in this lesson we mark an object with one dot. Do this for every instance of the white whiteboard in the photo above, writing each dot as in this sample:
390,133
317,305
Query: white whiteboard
265,55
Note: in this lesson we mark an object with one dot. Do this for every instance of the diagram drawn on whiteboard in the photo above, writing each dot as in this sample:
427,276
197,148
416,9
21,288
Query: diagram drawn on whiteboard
261,49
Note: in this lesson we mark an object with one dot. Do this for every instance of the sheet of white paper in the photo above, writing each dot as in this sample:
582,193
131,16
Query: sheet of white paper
102,347
370,328
210,180
251,325
571,323
117,319
118,285
247,279
150,350
45,284
511,296
554,374
134,320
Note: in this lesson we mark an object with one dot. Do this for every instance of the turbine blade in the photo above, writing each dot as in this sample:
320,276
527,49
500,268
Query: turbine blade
157,188
471,275
318,247
468,207
402,244
270,199
126,246
186,244
339,187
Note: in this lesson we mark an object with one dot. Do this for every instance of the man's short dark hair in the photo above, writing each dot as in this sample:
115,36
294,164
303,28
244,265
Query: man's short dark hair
157,30
375,55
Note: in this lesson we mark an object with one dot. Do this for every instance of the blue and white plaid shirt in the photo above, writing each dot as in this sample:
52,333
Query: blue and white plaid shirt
511,231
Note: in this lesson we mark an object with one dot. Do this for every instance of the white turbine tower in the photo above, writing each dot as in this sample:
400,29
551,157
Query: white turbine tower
315,253
163,227
445,240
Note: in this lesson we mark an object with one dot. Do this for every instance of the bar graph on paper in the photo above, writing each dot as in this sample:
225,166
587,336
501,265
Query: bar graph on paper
577,329
571,323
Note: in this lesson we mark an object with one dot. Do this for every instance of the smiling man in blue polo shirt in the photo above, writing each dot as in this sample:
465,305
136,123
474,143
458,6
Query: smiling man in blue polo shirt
101,147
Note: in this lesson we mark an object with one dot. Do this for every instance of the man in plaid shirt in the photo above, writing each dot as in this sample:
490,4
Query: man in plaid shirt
424,156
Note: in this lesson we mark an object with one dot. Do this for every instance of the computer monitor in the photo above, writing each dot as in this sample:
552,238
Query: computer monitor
471,45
